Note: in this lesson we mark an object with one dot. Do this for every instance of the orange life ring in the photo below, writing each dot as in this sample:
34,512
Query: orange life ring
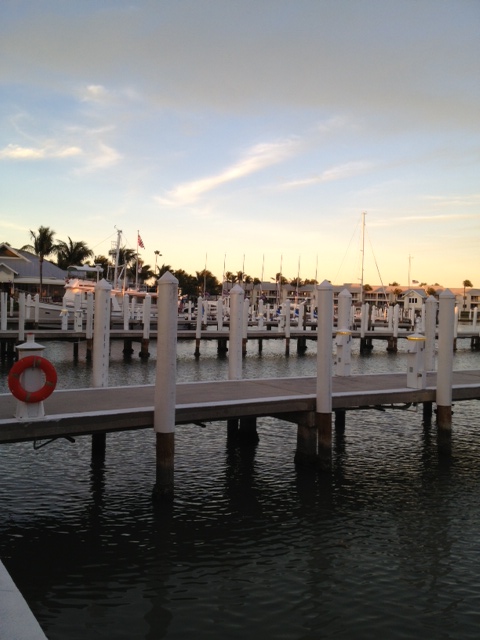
32,362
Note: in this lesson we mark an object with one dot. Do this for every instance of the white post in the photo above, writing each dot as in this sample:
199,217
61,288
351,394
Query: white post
474,320
430,332
390,318
364,319
323,414
260,317
416,374
64,318
352,316
422,319
324,347
396,314
21,317
101,334
344,335
246,312
166,385
126,311
219,314
301,315
446,322
36,308
198,328
205,313
455,324
236,333
281,318
166,366
77,305
147,312
89,319
31,379
286,310
28,307
3,311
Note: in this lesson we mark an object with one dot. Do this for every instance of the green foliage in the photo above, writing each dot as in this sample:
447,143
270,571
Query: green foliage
72,253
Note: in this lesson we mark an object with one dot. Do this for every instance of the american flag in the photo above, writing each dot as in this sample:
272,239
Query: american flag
140,242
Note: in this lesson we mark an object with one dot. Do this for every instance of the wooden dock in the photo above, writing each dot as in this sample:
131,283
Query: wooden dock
101,410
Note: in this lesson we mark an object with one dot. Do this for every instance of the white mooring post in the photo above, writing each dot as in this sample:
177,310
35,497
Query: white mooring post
198,326
166,385
260,315
416,374
32,380
21,317
101,334
64,318
89,317
246,314
364,319
430,331
323,415
396,314
126,311
301,316
219,314
236,333
146,319
28,307
446,323
36,310
344,335
77,305
3,311
390,318
287,332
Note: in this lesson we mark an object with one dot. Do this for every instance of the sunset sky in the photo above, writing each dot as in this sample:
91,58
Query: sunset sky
250,134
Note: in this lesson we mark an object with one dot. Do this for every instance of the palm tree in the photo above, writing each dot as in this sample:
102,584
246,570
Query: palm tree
72,253
163,269
43,246
103,262
466,283
207,283
145,272
187,283
126,263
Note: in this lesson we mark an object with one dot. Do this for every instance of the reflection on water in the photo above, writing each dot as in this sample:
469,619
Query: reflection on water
385,546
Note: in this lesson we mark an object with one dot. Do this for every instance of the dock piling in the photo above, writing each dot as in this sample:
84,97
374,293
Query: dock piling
446,321
165,387
323,417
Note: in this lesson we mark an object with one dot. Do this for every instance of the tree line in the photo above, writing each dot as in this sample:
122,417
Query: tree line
44,244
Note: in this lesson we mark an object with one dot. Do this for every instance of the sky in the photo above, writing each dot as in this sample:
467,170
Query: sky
248,135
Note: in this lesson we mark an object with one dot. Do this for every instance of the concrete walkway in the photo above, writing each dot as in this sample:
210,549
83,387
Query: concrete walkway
17,622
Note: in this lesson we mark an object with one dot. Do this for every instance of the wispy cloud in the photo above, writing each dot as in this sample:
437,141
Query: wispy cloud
94,93
17,152
469,200
255,159
428,219
100,157
340,172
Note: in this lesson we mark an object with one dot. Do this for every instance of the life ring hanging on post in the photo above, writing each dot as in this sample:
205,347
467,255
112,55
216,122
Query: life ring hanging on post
32,362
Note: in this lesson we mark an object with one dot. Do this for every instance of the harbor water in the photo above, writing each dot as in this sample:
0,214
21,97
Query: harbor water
386,546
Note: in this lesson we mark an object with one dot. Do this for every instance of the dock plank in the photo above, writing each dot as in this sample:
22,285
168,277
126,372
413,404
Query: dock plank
86,411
